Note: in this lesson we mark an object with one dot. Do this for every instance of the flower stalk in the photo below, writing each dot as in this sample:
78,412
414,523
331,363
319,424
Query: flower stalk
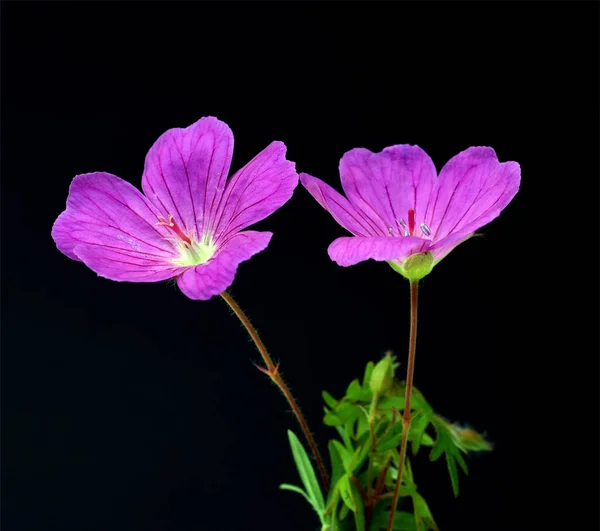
272,371
406,418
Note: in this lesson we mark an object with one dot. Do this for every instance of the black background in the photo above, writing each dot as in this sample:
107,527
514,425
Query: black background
128,406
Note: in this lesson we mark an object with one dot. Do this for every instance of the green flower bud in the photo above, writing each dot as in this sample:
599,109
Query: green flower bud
415,267
382,377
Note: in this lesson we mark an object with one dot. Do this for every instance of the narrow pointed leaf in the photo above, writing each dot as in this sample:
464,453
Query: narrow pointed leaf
307,473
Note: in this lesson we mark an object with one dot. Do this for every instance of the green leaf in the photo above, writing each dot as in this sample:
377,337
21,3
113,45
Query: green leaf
417,429
337,465
293,488
359,513
453,473
423,517
343,512
446,443
342,414
354,391
307,473
403,521
345,436
346,492
392,402
329,400
344,454
391,440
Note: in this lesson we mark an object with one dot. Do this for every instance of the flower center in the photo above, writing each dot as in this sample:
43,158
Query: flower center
191,252
409,230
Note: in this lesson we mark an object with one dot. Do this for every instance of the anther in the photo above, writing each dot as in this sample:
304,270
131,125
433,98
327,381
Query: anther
425,229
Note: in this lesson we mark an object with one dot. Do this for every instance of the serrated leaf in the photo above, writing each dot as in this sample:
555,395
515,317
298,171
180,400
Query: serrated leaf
329,400
307,473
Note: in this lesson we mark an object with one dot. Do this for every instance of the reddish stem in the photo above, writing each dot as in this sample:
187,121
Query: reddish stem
410,369
272,371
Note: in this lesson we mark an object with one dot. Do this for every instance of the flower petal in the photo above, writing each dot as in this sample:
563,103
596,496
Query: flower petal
215,276
385,185
116,264
255,191
349,251
186,170
108,212
472,189
337,205
442,247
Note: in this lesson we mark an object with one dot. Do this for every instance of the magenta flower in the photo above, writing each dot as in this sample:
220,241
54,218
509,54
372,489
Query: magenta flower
189,224
401,212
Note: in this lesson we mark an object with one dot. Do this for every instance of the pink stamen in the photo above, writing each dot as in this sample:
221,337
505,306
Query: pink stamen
174,227
411,221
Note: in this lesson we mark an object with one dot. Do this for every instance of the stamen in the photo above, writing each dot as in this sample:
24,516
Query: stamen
406,233
411,221
173,226
425,229
390,230
402,223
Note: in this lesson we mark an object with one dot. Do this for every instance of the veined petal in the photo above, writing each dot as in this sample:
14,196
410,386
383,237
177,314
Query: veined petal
472,189
110,213
257,190
384,186
337,205
349,251
442,247
215,276
186,170
120,265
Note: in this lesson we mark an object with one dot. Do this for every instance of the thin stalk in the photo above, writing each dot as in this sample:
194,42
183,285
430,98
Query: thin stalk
272,371
410,369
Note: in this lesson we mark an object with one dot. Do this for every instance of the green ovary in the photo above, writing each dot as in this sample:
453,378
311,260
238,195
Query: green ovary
195,253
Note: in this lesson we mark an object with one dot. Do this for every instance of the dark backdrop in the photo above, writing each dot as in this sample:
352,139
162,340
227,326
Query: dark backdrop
128,406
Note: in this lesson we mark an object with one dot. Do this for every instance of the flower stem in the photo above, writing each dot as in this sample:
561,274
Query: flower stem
410,369
272,371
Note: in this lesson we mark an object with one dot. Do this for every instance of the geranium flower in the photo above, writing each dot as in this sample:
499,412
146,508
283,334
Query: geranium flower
188,223
400,211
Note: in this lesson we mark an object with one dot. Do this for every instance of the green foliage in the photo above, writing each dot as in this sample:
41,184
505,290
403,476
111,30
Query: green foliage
307,474
446,443
364,456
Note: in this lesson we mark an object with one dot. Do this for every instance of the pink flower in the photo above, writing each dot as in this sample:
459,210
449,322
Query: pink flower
188,223
400,211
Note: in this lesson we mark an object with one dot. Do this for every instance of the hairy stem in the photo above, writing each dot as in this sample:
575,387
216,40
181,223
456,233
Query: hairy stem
272,371
410,369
